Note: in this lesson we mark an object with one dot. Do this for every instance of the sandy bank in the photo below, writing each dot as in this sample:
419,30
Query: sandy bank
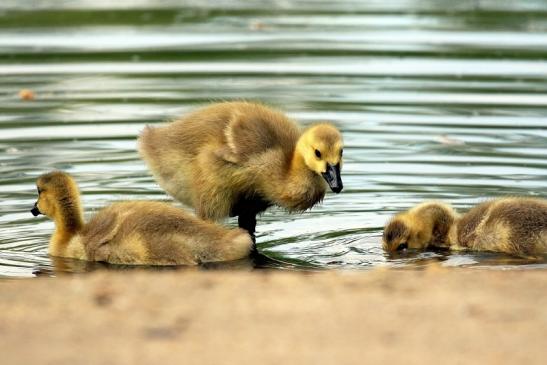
432,316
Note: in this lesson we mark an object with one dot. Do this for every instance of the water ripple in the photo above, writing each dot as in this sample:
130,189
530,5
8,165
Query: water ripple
435,100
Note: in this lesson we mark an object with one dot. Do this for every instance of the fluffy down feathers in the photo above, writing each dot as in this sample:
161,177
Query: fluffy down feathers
134,232
516,226
238,158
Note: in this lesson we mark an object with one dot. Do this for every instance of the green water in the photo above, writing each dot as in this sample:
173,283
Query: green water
436,100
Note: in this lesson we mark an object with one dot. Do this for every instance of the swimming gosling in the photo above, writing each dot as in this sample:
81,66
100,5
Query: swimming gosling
516,226
239,158
133,232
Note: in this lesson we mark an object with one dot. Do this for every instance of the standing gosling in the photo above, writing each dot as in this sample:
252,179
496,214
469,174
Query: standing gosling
516,226
239,158
134,232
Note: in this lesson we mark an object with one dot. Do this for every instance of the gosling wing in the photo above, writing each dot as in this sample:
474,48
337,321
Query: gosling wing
251,134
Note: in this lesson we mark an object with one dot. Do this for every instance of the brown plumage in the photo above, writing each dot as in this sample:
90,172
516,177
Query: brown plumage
515,225
239,158
133,232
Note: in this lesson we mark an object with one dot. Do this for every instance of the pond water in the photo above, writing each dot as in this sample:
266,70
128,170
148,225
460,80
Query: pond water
436,100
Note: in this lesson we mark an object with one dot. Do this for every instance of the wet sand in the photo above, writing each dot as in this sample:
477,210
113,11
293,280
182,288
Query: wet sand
267,317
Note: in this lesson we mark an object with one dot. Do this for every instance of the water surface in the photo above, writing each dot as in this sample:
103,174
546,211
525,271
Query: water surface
436,100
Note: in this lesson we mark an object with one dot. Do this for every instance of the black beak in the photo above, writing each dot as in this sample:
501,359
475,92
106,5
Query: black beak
35,211
333,178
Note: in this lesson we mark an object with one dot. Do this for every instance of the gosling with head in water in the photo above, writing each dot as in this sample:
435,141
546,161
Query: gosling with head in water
133,232
516,226
239,158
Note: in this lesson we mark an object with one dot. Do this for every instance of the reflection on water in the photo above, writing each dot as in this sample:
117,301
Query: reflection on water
435,101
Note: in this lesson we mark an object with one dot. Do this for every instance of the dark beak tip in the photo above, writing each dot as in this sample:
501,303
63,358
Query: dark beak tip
35,211
332,176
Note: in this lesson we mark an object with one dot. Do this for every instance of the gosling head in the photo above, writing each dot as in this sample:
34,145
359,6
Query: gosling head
321,146
397,236
400,234
57,191
427,224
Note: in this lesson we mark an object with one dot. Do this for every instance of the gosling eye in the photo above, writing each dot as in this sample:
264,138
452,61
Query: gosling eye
341,152
402,246
317,154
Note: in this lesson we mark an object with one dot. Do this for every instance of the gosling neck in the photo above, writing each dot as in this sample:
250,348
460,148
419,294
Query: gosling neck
68,222
452,238
440,222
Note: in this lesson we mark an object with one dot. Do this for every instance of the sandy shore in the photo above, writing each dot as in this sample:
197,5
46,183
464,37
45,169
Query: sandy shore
267,317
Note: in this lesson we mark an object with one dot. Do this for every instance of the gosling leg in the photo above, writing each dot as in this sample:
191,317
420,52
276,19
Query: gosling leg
247,221
246,210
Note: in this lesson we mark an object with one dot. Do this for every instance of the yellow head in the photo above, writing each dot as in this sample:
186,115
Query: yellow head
58,198
402,233
427,224
321,147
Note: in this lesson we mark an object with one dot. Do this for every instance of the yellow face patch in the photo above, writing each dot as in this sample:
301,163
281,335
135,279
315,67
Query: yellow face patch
46,203
53,189
321,145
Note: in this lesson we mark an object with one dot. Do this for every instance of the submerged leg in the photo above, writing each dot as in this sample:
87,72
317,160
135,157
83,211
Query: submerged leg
246,210
248,222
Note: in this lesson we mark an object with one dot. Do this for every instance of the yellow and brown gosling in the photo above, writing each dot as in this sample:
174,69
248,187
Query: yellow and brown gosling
515,225
133,232
239,158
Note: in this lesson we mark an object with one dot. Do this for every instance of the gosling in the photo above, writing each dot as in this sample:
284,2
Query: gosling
133,232
239,158
517,226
